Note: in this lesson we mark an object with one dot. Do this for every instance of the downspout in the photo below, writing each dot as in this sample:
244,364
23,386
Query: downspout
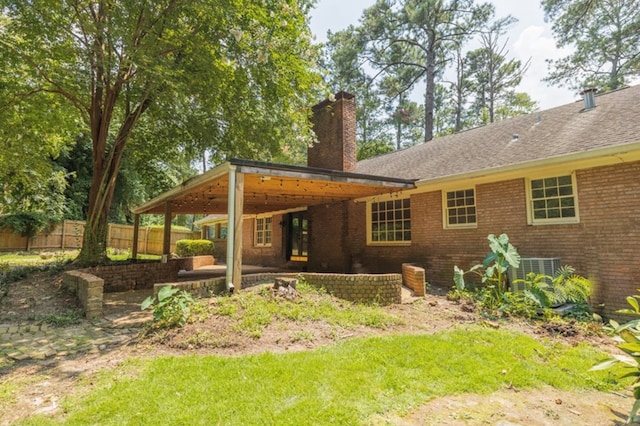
231,231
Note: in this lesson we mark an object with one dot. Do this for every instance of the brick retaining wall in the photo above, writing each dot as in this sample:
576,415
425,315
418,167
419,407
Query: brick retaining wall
384,289
89,290
196,262
89,284
197,288
413,277
135,276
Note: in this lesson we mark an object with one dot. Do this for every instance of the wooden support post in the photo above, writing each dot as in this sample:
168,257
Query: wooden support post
166,246
235,197
237,237
136,230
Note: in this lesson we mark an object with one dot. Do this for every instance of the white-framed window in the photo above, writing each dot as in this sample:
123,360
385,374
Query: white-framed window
459,208
552,199
263,231
389,221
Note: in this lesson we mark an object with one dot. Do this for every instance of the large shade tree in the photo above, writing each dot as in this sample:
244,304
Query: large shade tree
605,37
493,77
32,137
122,65
420,34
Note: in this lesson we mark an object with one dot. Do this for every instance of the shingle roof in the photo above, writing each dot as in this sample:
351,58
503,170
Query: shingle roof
556,132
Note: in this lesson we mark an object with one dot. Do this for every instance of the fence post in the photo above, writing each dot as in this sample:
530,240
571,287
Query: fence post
64,225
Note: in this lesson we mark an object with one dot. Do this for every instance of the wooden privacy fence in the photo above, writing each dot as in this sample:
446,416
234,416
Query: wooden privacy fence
68,236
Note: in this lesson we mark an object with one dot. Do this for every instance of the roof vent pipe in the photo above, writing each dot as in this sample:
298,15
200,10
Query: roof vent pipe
589,98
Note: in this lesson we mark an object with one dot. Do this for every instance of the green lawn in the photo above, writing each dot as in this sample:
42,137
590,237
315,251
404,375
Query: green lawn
344,384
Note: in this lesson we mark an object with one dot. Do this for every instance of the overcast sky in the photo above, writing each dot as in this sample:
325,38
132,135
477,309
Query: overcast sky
530,37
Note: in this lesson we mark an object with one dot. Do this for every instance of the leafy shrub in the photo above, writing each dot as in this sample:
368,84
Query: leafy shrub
541,293
519,305
188,248
27,224
628,337
5,270
493,270
171,308
564,287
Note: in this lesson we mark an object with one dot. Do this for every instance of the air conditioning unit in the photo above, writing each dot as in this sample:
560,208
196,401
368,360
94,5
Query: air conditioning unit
537,265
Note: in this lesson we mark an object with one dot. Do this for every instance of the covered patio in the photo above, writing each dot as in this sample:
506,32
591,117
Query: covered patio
243,187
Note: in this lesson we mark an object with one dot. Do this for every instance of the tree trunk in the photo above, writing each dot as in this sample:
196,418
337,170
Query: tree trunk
94,244
459,90
106,166
399,122
429,97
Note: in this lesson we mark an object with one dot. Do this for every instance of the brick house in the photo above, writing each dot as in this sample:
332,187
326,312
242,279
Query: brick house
563,183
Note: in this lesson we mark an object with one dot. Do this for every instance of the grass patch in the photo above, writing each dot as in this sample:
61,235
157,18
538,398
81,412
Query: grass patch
346,384
120,255
35,258
253,311
69,317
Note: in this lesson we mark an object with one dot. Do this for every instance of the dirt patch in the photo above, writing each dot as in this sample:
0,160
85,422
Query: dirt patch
40,384
506,407
40,295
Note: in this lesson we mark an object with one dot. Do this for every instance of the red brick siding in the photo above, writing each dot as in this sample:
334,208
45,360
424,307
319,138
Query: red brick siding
329,245
609,200
264,256
604,246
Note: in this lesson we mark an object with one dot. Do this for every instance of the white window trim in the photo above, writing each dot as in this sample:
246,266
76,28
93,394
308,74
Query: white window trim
255,230
559,221
380,199
445,212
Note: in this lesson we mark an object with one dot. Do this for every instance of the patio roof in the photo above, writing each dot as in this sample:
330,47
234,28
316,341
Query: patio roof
270,187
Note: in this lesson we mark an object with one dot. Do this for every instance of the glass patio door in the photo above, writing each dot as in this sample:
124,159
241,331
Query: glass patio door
298,243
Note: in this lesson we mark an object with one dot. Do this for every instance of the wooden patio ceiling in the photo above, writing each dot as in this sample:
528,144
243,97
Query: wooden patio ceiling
270,187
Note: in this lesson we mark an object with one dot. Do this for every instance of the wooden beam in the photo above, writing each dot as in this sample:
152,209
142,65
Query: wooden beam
136,230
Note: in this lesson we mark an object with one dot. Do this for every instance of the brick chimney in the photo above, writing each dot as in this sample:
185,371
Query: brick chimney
334,123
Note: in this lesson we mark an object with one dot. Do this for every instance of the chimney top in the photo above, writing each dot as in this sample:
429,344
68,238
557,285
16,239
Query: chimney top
589,98
338,96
